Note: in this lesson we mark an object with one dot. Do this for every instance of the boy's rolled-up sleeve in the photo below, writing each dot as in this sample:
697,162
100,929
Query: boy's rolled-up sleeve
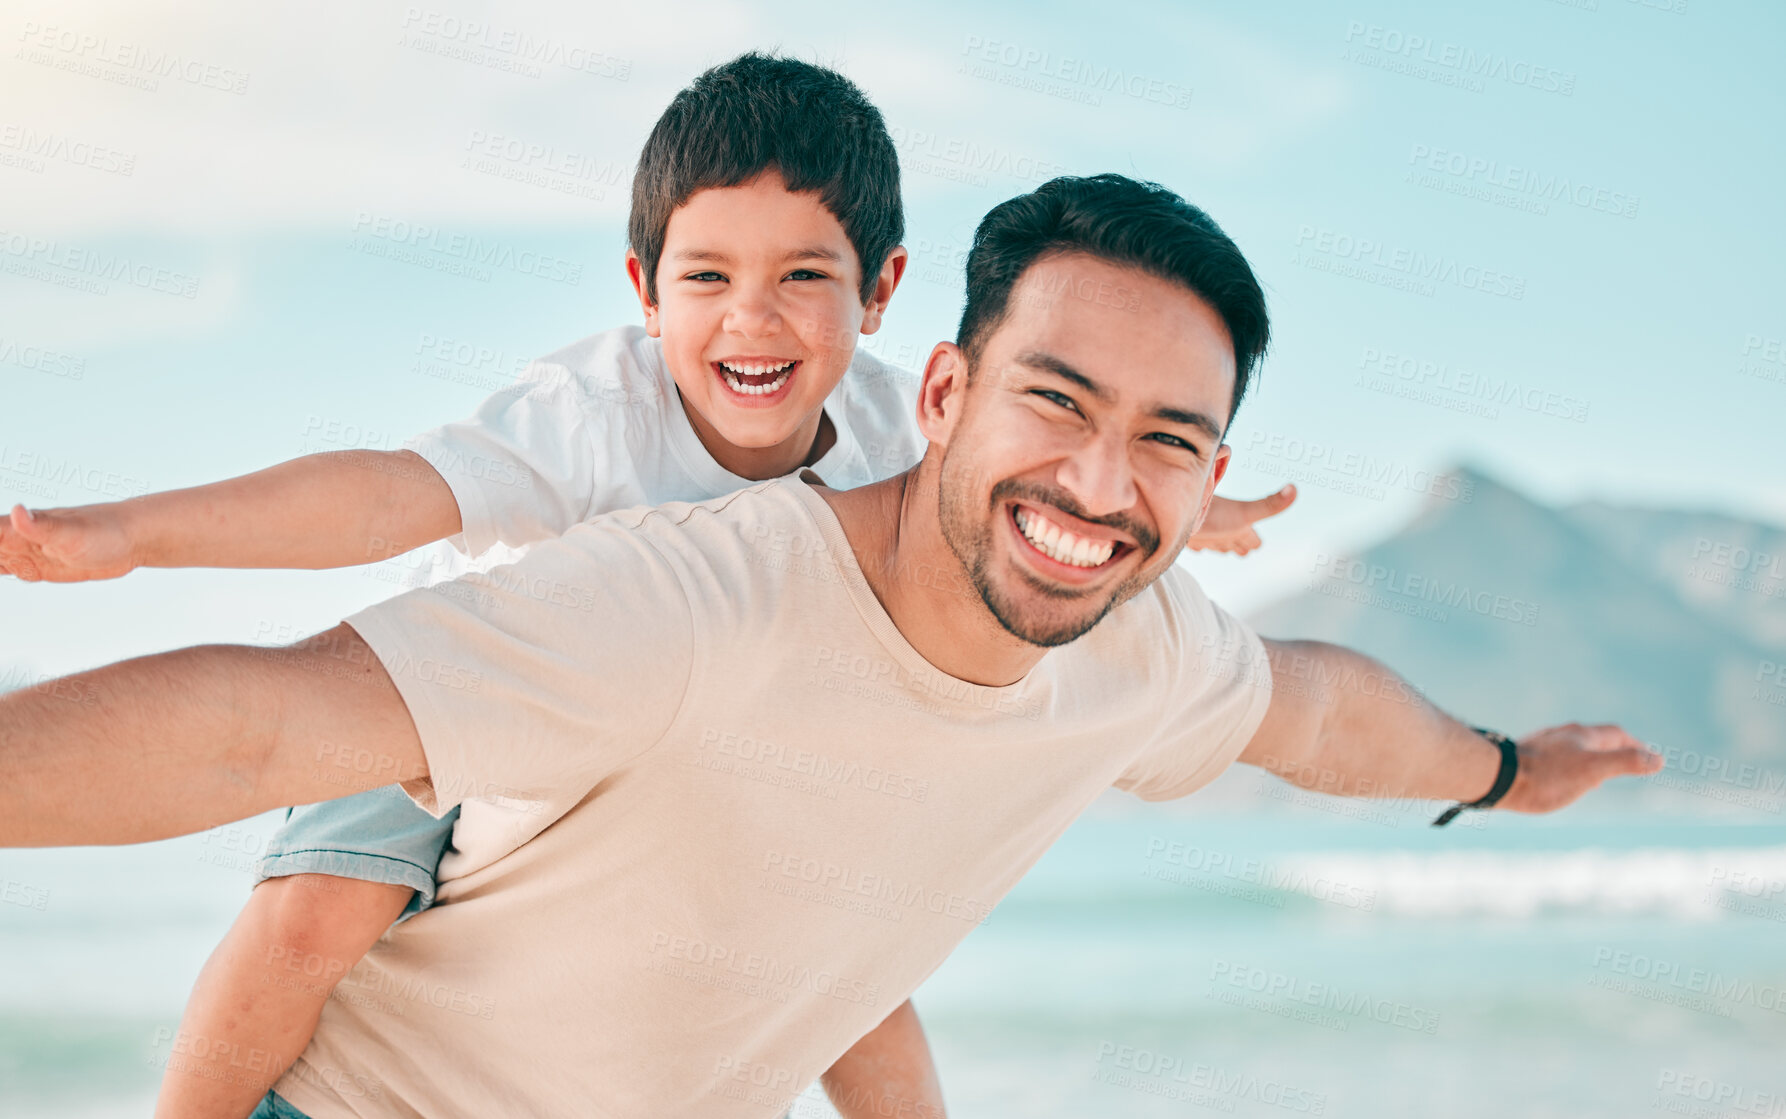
522,468
541,677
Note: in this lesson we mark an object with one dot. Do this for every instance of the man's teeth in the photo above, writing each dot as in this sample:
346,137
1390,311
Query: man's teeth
732,370
1057,543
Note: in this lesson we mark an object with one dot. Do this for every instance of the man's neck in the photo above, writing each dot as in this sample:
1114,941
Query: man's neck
895,531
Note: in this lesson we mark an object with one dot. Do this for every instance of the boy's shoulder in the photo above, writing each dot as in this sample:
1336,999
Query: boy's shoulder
620,367
878,401
871,376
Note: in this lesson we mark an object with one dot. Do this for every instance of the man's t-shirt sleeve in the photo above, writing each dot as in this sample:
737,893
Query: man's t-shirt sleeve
523,467
543,676
1217,682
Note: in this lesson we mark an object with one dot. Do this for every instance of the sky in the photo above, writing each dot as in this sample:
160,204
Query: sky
1542,238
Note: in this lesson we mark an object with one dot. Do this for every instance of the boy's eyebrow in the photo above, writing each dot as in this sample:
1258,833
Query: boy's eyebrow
1048,363
714,256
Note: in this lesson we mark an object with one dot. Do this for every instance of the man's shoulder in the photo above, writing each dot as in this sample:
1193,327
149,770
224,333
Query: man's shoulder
1171,618
743,528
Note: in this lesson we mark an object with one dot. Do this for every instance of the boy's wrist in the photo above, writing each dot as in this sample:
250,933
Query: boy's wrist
137,524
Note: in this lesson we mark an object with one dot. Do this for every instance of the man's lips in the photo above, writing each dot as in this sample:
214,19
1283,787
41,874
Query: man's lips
1064,546
755,377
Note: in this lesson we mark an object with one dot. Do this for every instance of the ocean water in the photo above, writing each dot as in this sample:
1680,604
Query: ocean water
1155,963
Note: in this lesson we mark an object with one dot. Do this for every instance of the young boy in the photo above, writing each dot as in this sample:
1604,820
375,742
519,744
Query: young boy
764,238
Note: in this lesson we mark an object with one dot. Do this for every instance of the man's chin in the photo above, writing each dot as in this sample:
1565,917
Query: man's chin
1033,619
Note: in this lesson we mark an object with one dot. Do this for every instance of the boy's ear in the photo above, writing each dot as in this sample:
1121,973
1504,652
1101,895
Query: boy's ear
635,271
941,393
891,273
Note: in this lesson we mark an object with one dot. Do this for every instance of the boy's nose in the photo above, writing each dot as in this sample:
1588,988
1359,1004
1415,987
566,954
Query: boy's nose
752,315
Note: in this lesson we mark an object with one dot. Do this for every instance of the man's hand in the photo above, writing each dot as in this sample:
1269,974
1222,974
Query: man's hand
1558,764
1229,525
66,545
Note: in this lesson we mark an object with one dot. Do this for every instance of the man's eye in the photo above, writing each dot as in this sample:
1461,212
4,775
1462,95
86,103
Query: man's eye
1061,399
1173,441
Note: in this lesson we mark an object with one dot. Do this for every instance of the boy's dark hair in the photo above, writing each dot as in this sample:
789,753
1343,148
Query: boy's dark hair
1118,219
756,112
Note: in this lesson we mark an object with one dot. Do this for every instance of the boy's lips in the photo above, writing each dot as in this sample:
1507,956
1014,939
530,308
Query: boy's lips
755,380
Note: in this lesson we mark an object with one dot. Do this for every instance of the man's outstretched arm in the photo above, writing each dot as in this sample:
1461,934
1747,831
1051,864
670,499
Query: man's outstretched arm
1342,723
179,742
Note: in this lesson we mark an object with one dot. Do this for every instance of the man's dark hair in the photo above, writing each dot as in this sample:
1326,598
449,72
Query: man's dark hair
757,112
1118,219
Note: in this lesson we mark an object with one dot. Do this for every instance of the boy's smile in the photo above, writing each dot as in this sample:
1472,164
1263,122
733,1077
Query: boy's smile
760,381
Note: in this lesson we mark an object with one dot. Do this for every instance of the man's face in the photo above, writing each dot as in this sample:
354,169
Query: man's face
758,305
1084,450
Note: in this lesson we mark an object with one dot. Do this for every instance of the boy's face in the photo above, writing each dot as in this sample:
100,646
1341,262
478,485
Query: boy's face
759,308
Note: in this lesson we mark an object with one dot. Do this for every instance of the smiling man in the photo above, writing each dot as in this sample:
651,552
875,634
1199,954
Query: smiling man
802,740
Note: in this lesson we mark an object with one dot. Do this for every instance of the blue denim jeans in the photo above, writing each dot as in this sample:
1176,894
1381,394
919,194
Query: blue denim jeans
272,1107
376,836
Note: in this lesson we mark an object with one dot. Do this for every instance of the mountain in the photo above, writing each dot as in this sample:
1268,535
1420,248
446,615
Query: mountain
1516,615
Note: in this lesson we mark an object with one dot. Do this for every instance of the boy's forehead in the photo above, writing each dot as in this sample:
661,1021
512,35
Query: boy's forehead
756,219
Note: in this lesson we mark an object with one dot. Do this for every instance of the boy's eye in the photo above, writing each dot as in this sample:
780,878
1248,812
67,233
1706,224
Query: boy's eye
1061,399
703,277
805,274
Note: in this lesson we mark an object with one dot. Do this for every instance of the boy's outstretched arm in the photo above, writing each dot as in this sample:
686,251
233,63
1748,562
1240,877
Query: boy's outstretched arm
259,996
1229,525
179,742
888,1072
329,510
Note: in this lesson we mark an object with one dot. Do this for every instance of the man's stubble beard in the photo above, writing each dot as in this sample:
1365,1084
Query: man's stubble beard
970,539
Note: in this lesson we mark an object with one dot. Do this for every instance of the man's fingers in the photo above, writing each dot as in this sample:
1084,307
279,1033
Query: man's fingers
1621,752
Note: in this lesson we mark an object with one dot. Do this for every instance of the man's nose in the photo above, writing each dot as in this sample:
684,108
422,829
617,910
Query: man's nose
1097,474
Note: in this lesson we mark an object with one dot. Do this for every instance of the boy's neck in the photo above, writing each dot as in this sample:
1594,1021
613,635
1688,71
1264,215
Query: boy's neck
807,445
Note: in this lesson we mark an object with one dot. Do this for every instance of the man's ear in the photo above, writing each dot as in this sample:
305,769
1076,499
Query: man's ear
891,273
942,393
1223,456
635,271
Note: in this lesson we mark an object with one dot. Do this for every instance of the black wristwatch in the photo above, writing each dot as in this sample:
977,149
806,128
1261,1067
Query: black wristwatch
1503,779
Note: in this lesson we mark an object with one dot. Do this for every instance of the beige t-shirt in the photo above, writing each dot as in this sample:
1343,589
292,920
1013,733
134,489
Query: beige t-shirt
788,818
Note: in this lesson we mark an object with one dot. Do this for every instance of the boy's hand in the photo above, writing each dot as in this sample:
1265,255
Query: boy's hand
1229,526
65,545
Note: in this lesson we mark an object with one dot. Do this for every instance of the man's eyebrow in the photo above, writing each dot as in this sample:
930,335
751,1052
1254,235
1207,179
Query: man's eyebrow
1046,362
1190,419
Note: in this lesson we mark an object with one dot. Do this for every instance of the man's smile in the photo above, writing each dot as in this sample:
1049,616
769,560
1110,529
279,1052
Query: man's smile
1071,554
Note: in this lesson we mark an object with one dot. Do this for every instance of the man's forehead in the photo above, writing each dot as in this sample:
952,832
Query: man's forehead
1133,333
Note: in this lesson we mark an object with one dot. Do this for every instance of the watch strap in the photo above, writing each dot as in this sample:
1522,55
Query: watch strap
1503,778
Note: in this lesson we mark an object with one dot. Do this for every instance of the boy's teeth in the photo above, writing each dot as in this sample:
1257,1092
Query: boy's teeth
737,386
1059,544
754,369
